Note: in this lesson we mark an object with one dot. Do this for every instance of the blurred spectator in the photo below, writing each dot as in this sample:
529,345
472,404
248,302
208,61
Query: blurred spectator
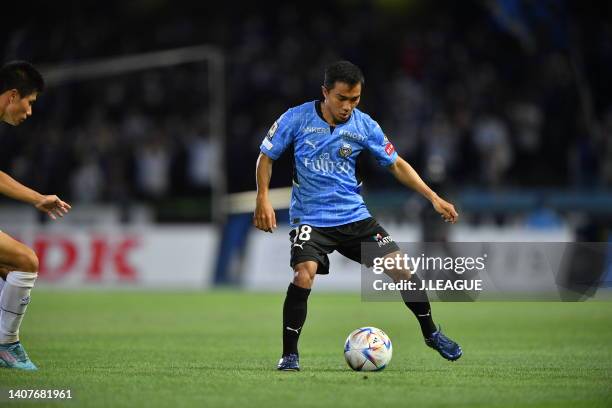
203,157
153,168
87,181
492,141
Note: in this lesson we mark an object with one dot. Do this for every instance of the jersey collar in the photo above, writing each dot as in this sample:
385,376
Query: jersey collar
317,105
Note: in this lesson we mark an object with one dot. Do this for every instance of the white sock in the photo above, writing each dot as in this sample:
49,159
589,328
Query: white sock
14,301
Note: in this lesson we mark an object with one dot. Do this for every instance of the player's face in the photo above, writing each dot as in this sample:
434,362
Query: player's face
19,108
341,100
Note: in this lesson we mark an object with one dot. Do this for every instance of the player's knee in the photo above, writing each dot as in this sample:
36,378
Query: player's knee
399,275
303,276
4,271
26,261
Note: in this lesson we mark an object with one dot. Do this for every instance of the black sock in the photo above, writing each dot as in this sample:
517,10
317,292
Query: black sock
418,302
294,316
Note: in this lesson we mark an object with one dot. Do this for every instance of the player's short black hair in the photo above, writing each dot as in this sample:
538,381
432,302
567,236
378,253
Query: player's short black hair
342,71
22,76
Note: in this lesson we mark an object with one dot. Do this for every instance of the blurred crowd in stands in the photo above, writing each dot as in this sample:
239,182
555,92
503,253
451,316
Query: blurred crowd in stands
497,94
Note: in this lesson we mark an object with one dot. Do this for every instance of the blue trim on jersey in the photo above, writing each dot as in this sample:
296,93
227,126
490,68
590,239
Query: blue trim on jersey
327,192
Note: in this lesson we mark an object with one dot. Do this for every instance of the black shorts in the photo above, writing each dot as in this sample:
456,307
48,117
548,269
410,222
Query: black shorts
315,243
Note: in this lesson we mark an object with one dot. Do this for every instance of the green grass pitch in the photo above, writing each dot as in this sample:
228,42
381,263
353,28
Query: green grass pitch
219,349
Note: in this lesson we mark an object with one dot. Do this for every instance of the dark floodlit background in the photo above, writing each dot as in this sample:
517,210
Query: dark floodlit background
503,106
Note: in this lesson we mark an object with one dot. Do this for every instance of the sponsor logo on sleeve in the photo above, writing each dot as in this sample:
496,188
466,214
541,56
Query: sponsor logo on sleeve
389,148
266,143
272,130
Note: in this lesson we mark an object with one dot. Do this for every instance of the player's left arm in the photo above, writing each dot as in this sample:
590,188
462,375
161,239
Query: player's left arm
50,204
408,176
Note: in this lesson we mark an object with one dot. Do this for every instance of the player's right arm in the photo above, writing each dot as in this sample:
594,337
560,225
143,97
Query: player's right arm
49,204
274,144
264,217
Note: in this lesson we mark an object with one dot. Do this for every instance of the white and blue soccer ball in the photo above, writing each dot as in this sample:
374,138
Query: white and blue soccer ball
368,349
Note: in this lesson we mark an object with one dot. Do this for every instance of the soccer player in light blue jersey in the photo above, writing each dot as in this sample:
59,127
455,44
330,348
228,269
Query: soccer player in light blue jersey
327,210
20,84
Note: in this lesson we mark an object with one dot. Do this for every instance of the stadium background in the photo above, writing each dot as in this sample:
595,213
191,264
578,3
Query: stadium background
504,106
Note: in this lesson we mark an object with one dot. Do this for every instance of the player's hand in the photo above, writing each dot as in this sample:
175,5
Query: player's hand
264,217
446,210
53,206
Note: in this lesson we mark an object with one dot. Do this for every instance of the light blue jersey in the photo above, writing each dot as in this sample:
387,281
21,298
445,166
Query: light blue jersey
325,189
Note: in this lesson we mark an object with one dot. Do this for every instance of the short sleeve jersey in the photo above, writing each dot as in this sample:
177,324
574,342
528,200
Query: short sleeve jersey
325,188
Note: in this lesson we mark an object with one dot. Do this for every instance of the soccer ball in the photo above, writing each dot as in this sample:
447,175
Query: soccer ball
368,349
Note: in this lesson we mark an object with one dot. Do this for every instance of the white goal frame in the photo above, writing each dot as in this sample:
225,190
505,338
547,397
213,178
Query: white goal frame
91,69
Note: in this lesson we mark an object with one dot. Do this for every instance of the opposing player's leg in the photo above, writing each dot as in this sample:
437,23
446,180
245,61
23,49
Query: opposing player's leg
4,270
22,263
